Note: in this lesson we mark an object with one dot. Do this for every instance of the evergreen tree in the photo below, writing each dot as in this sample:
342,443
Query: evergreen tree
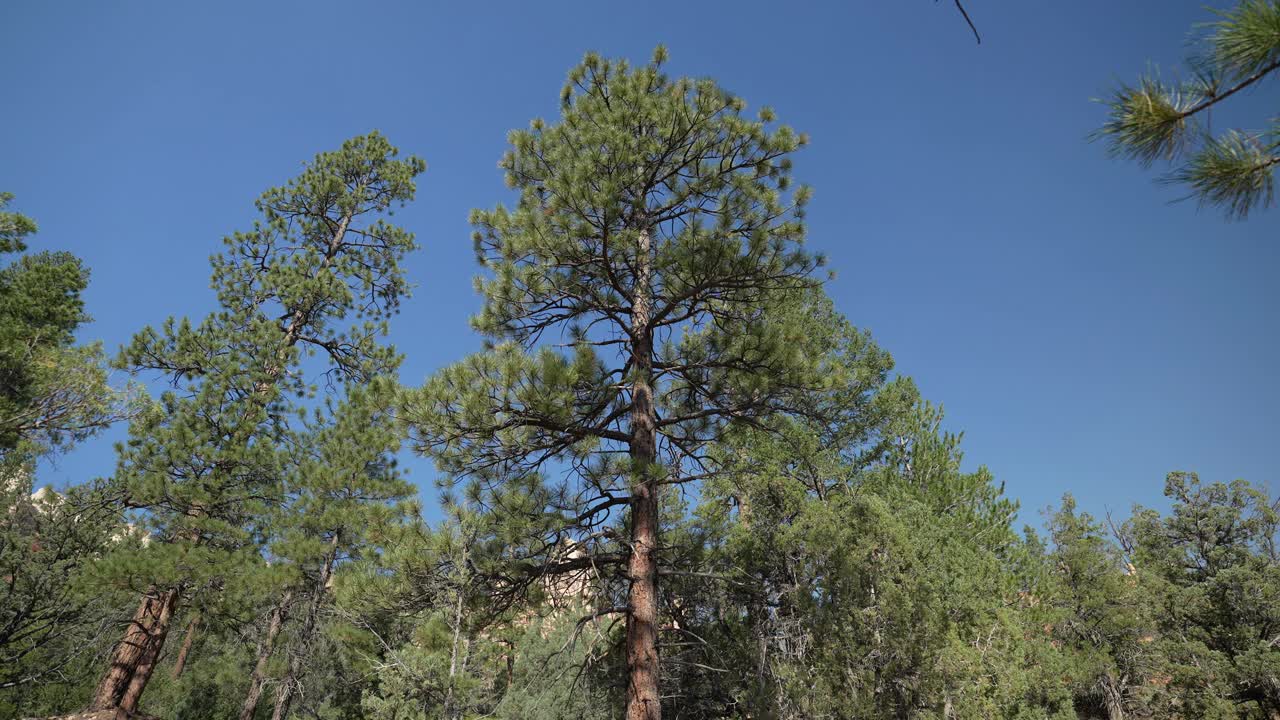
1100,615
53,615
319,274
52,392
1156,120
864,585
345,488
1213,569
437,650
654,233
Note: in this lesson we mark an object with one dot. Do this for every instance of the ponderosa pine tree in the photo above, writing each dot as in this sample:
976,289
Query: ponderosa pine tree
631,302
1155,120
319,274
53,393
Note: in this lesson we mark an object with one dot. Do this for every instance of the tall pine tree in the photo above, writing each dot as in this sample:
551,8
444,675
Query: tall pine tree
319,274
630,302
52,392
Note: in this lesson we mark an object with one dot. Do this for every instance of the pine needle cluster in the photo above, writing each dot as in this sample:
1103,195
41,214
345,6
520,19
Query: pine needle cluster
1154,120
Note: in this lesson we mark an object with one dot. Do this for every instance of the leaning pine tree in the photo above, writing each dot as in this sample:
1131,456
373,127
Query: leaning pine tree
319,274
629,304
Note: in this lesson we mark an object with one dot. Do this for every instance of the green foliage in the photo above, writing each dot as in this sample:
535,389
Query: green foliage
856,590
14,227
1212,567
1234,171
207,462
214,462
427,638
212,687
638,151
345,497
553,676
1100,614
1246,40
1149,121
824,550
1154,120
54,619
53,393
656,246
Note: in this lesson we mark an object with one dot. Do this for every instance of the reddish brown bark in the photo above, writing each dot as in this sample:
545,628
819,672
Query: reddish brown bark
643,699
135,657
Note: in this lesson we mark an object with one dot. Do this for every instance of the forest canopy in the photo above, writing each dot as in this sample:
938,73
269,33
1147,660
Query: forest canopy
675,480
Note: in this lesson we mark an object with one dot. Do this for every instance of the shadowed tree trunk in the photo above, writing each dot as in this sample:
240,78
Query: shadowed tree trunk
185,652
298,656
266,645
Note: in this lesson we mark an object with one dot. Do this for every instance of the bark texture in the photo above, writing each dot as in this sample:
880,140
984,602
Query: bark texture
643,698
135,657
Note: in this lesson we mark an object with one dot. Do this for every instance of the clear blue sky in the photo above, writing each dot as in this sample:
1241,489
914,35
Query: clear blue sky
1085,334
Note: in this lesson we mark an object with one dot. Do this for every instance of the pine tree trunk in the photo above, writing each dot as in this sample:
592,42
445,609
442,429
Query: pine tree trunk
187,641
510,657
450,713
288,685
643,699
134,659
266,645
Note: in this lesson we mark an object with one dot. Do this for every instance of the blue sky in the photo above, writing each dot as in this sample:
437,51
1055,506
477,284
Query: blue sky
1086,334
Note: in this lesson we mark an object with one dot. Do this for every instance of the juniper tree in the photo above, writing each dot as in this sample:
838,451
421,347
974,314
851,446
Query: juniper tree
1211,566
1155,120
1100,616
439,648
319,274
629,303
